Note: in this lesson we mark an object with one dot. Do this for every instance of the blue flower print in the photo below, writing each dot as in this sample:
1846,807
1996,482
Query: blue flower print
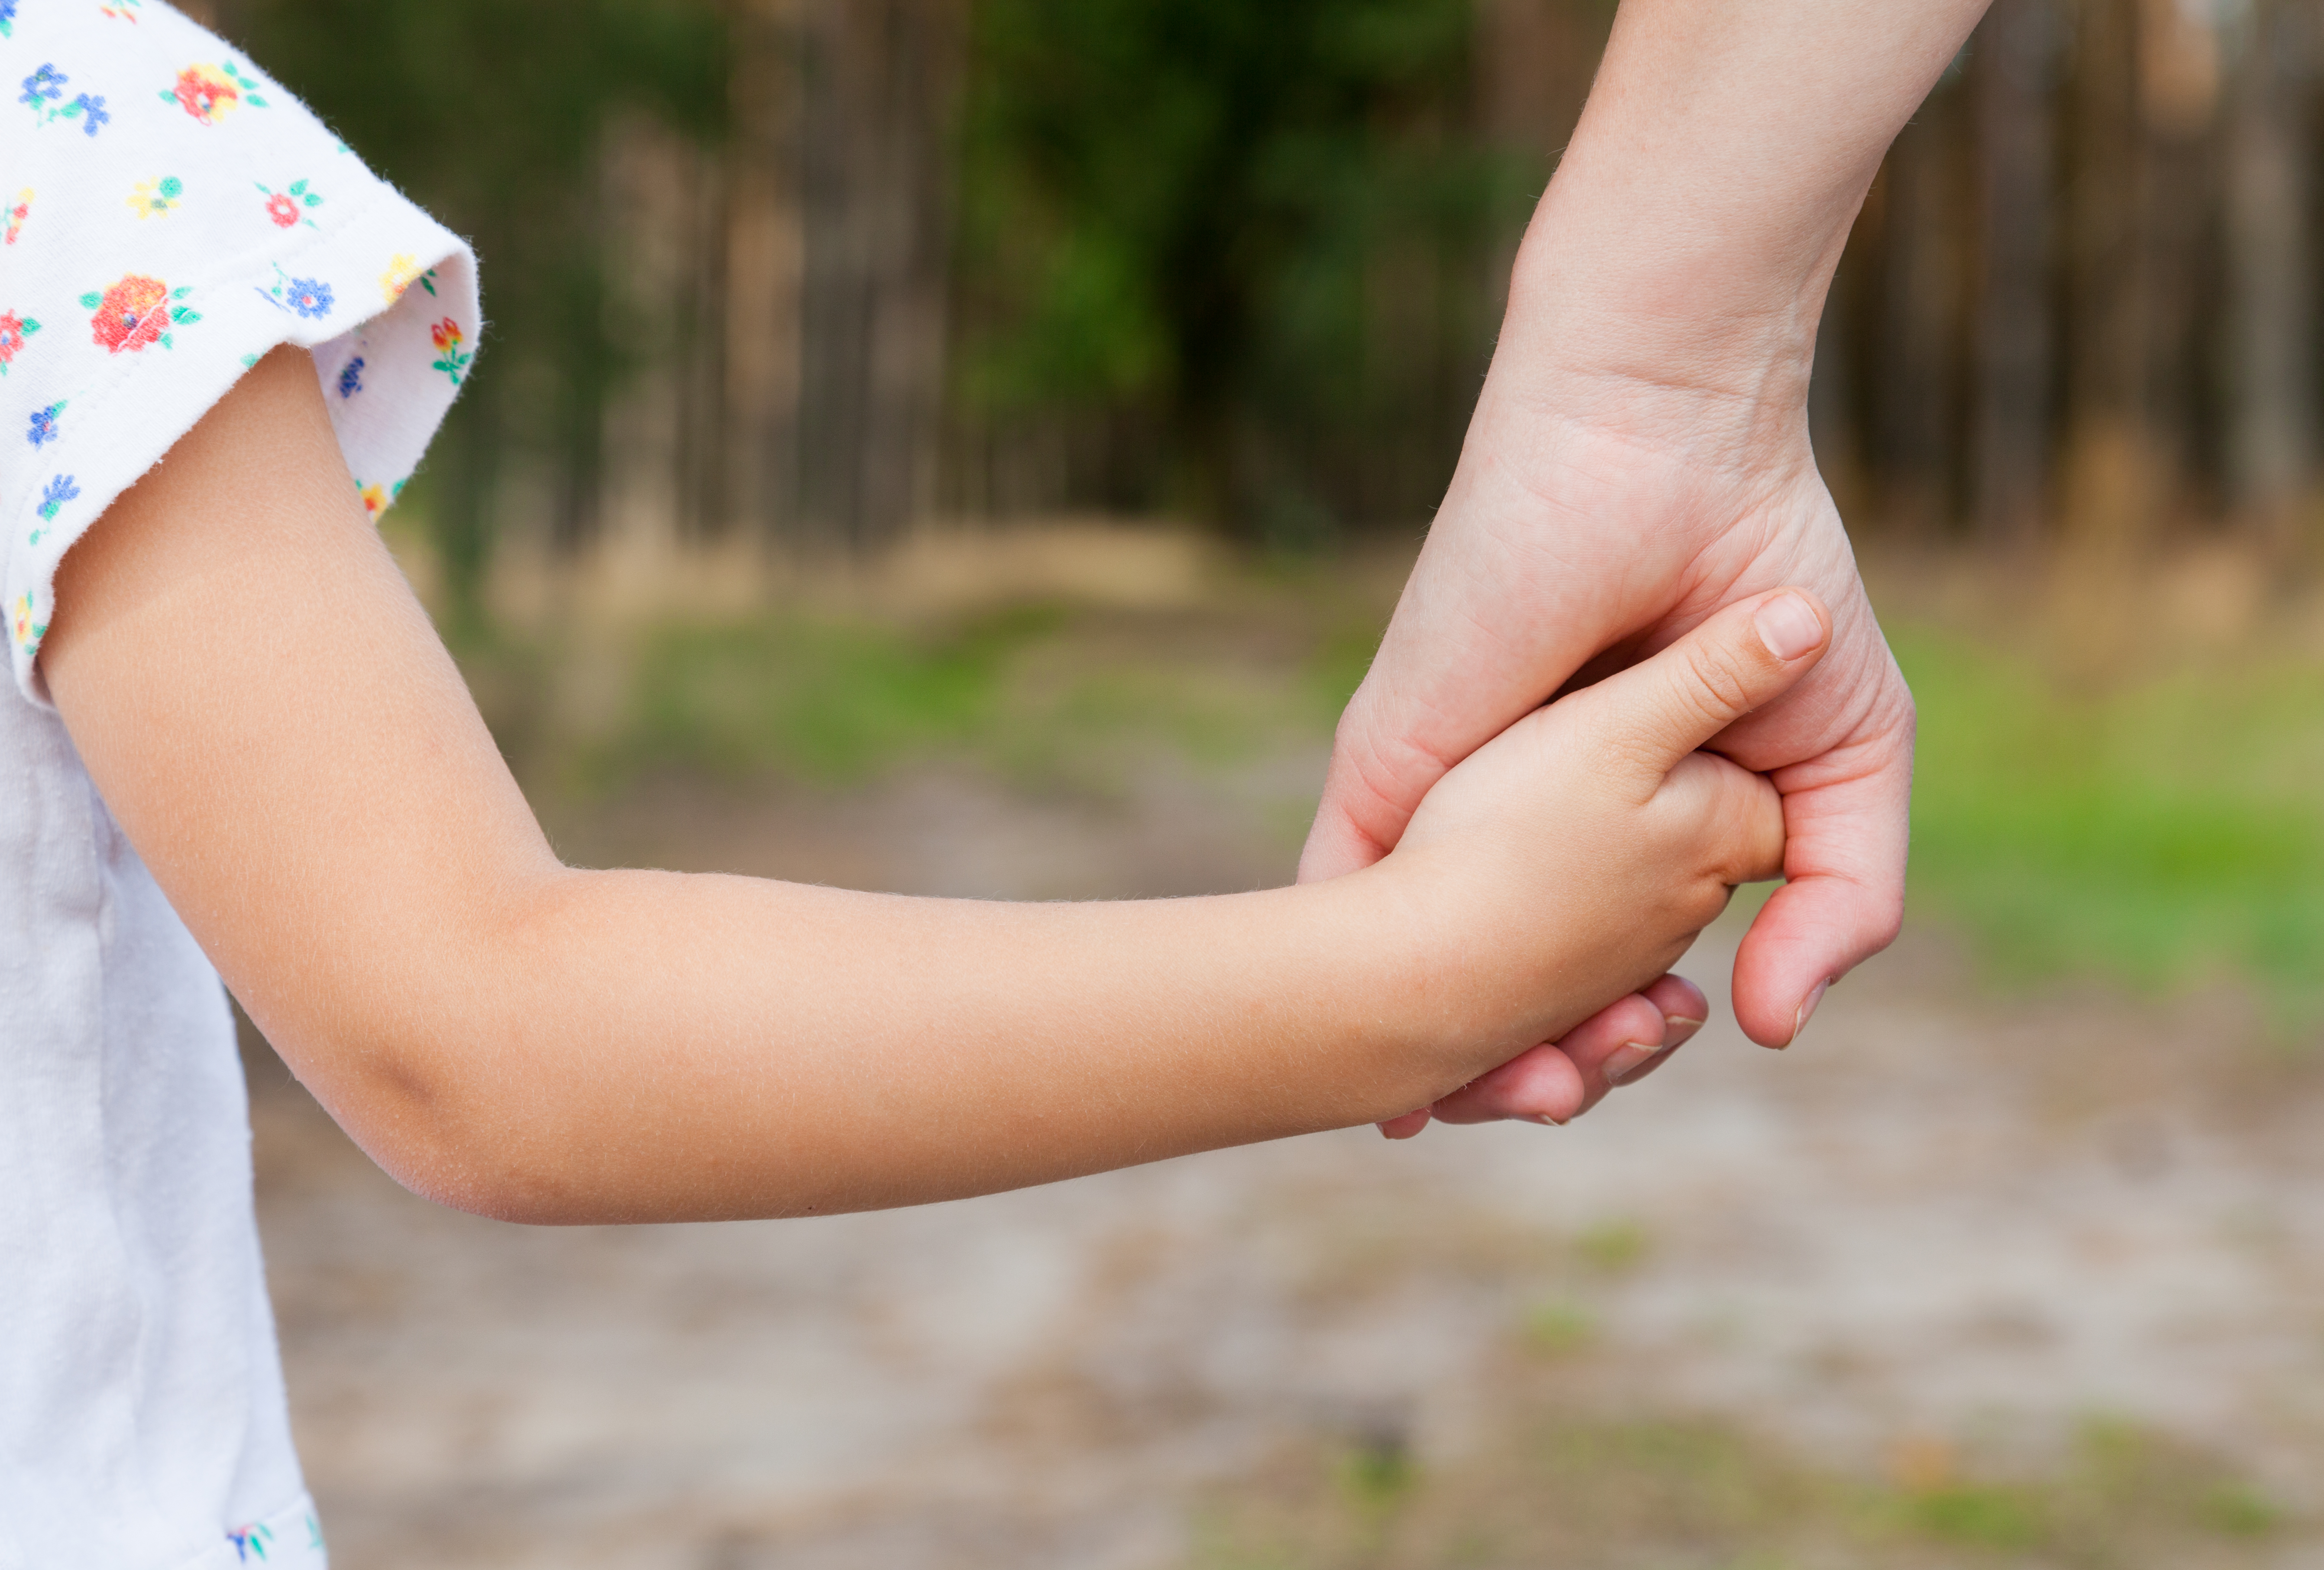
47,83
7,18
61,489
44,87
351,379
310,296
44,425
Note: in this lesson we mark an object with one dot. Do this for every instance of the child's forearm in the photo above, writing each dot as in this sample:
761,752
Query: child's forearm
647,1045
274,723
272,720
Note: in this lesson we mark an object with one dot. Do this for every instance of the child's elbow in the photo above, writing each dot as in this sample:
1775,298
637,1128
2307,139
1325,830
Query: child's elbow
449,1128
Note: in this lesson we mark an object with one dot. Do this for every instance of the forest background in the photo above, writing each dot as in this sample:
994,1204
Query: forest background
971,448
775,280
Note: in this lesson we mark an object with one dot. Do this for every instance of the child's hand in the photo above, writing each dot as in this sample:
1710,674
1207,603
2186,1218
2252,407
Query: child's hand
1573,858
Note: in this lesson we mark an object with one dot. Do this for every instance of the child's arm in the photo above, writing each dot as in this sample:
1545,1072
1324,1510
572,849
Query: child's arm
273,722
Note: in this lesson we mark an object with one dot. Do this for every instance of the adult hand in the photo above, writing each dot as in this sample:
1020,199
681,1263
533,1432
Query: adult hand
1586,548
1640,456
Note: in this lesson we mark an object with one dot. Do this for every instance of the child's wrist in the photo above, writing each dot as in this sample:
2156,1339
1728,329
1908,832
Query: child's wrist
1436,1014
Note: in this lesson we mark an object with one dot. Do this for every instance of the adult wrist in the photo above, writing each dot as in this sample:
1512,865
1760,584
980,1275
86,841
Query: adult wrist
1621,292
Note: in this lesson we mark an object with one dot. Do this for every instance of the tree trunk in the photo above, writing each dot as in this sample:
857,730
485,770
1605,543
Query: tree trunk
2270,325
880,81
2109,483
752,477
1915,390
2014,69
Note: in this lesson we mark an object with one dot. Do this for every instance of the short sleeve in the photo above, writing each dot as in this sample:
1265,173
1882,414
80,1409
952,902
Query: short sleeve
168,215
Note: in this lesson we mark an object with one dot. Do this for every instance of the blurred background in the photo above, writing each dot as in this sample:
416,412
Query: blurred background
972,446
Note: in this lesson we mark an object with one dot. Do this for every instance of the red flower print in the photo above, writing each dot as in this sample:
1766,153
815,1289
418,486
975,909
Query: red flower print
12,335
283,210
132,313
205,92
447,335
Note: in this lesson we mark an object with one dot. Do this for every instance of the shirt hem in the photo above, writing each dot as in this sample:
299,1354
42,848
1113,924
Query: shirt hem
292,1538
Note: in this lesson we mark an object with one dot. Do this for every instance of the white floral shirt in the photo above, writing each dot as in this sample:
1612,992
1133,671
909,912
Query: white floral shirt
167,215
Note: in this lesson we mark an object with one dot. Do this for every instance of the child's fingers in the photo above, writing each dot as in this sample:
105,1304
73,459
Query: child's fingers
1743,812
1748,654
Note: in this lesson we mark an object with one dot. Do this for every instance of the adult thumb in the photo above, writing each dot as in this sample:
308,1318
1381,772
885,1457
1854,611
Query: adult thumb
1746,656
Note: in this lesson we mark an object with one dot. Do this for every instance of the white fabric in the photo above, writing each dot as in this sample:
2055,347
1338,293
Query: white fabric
145,168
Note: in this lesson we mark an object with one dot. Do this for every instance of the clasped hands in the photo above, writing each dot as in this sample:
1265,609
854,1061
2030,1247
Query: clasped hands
1595,520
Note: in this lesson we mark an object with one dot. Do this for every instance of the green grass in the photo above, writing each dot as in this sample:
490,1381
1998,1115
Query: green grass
2164,834
1564,1485
827,701
1043,695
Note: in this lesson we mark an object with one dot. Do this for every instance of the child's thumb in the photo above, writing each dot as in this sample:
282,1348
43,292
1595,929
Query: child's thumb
1744,657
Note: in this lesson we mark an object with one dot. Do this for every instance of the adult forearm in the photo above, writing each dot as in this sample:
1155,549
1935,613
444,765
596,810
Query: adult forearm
1695,219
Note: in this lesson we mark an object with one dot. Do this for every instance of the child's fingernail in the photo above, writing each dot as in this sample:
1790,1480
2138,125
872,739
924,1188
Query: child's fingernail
1678,1030
1547,1121
1788,627
1628,1059
1807,1012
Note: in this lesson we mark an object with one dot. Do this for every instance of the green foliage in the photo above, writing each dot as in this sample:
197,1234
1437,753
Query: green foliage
2161,834
1184,212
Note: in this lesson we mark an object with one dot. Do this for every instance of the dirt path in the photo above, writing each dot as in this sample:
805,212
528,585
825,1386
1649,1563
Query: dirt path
1937,1237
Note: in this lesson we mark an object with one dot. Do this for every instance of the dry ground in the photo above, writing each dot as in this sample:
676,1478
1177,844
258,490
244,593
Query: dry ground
1959,1280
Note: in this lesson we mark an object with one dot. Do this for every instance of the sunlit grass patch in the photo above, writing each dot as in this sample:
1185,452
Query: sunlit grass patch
2164,834
1044,694
826,701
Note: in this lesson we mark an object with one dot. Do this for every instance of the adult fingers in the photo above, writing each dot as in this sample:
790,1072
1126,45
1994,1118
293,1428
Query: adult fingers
1747,655
1845,815
1558,1082
1409,1124
1548,1084
1538,1086
1608,1059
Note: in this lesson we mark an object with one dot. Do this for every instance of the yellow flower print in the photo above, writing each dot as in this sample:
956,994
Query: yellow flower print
375,498
402,273
157,198
28,631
